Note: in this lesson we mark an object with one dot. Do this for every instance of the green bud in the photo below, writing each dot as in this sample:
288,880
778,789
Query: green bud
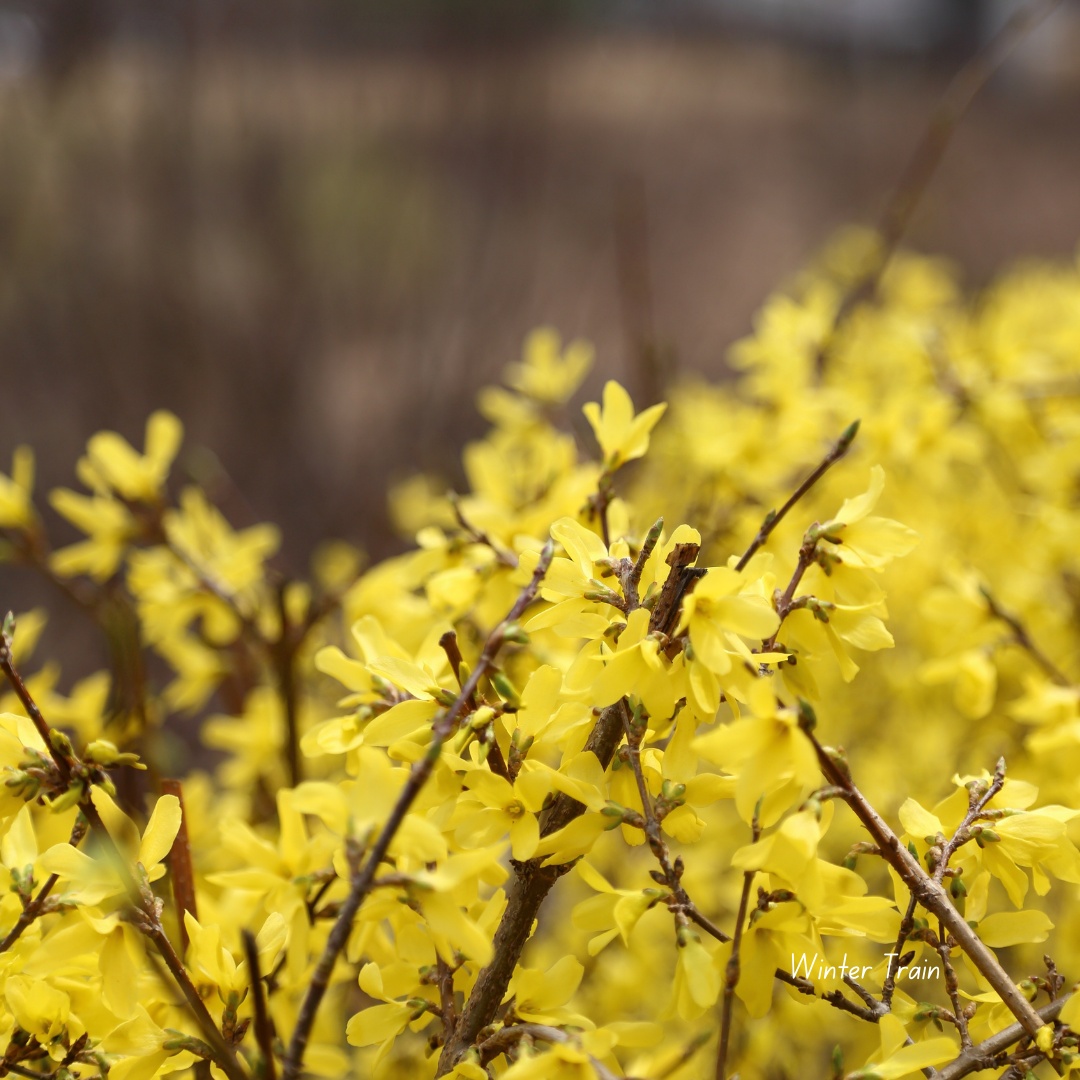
66,799
505,689
482,717
61,743
515,634
807,716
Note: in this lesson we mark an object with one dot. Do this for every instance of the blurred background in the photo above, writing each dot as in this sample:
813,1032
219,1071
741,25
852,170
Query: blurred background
314,228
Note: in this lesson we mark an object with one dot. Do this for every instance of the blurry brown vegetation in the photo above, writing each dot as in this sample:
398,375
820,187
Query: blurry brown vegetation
315,254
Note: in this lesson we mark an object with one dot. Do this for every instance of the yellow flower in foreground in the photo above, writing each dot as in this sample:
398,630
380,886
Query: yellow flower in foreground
622,435
95,879
773,758
869,542
898,1059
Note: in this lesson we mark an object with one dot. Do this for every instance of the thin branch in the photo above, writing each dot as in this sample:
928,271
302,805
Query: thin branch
508,1037
362,879
264,1027
978,799
1022,638
733,970
834,997
927,891
181,870
952,986
633,580
888,988
479,536
924,162
986,1053
786,603
34,907
774,517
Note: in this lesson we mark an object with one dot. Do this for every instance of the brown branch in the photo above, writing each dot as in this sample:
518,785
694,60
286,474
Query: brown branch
786,603
530,887
943,945
181,870
508,1037
986,1054
978,799
834,997
732,970
774,517
362,879
264,1026
927,891
633,579
888,988
1022,638
479,536
924,162
533,880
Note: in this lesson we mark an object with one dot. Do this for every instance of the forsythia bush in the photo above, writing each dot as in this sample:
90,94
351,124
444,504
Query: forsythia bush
625,769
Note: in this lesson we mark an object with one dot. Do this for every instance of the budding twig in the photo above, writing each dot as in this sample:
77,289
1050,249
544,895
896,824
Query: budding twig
774,517
733,971
1021,637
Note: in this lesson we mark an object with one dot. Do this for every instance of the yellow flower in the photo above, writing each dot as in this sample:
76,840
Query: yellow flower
897,1059
773,758
492,807
96,879
868,542
112,465
622,435
540,996
38,1008
16,491
543,374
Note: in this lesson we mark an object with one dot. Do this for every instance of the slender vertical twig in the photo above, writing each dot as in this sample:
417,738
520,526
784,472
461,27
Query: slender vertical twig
732,970
924,162
181,870
264,1028
362,879
774,517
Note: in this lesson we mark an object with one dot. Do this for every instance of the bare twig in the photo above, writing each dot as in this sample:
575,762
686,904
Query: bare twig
978,799
508,1037
985,1055
360,885
924,162
1022,638
774,517
733,971
888,988
264,1027
181,870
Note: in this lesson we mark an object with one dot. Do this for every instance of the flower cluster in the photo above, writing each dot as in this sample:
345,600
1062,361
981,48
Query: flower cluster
560,792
